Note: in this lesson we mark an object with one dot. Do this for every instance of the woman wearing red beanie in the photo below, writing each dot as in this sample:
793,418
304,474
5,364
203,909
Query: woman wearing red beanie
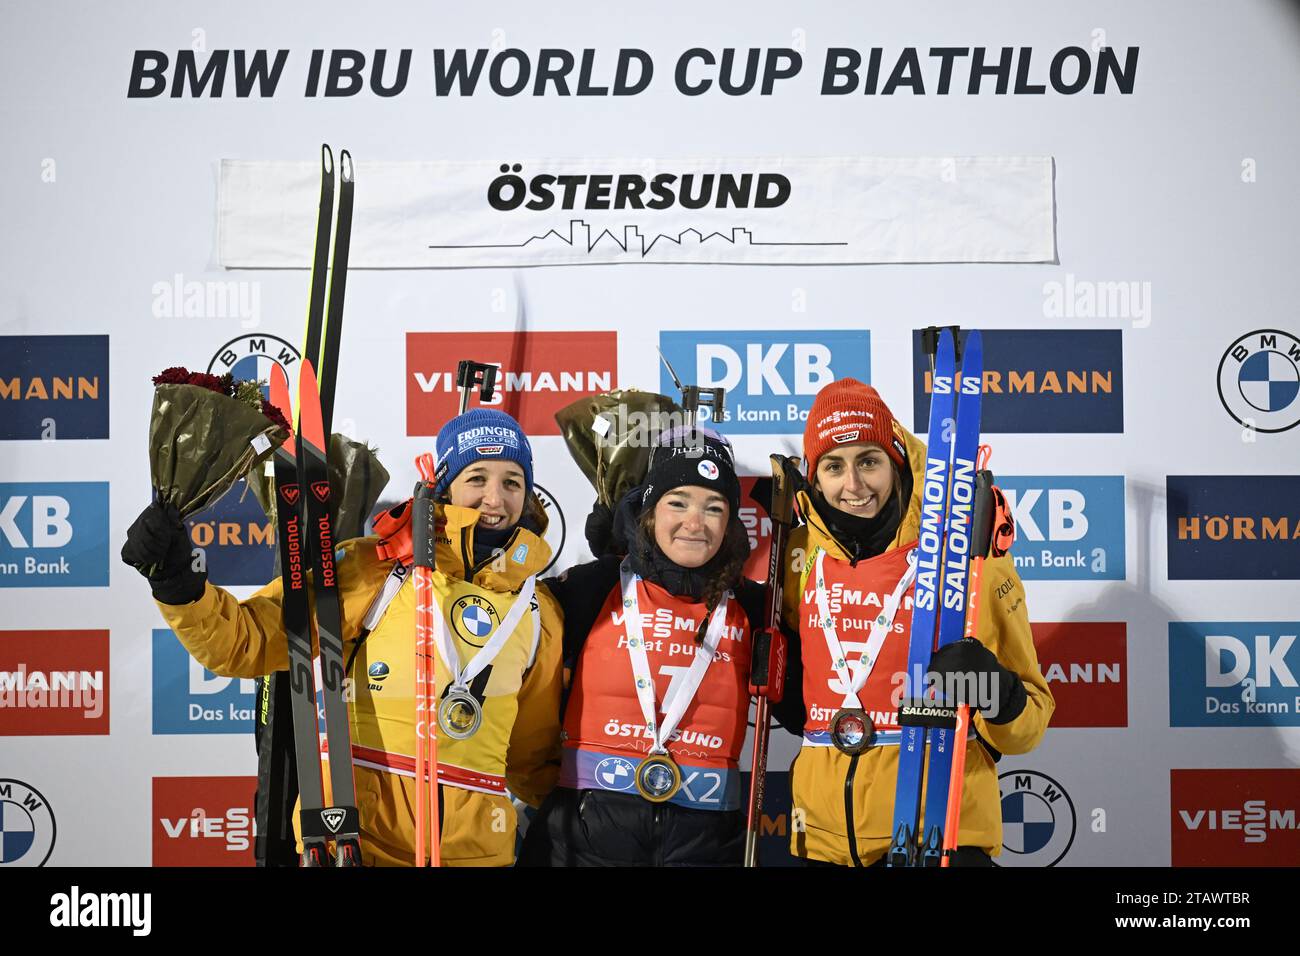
848,603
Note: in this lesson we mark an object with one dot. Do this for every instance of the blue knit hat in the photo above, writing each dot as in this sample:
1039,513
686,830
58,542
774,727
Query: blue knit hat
481,434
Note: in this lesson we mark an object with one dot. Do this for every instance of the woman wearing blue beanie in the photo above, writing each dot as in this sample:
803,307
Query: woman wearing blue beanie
498,660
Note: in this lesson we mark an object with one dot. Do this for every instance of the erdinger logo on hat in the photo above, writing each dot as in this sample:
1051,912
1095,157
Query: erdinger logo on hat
708,469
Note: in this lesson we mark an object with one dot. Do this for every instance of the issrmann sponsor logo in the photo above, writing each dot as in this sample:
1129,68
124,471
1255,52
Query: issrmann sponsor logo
54,534
53,387
1233,527
540,373
1234,674
1040,381
771,378
1068,527
1234,817
235,540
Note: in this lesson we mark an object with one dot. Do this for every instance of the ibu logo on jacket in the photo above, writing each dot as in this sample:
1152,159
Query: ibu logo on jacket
1068,527
1234,674
1233,527
53,387
54,534
1040,381
771,378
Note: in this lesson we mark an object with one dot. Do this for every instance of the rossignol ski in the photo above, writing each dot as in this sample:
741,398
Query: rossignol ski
767,667
943,554
301,473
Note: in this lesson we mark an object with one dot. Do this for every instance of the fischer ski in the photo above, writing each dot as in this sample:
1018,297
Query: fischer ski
943,552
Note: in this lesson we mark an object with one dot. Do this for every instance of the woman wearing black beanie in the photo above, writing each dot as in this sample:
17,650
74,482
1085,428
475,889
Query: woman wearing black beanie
656,651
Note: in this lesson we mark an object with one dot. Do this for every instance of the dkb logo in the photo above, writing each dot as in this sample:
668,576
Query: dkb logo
1068,528
770,377
54,534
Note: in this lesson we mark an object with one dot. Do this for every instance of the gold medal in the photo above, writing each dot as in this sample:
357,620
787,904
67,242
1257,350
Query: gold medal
658,778
852,730
460,715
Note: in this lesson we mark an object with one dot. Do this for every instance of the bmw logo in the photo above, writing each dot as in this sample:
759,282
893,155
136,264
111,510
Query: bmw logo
27,827
1038,819
615,773
252,356
474,619
1259,380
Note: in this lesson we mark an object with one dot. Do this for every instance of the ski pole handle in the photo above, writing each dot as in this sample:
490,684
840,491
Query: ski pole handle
767,665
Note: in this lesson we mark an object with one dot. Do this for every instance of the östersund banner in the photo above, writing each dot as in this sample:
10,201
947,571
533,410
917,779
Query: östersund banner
597,211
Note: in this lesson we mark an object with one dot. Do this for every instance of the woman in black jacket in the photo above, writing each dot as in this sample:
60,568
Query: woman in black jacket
657,653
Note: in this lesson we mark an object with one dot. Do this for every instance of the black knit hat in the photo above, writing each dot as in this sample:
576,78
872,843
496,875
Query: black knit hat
698,456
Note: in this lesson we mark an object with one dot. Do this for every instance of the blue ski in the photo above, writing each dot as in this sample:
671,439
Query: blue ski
929,564
956,565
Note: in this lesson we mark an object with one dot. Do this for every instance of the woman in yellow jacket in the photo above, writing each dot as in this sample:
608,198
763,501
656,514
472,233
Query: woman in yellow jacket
848,565
489,542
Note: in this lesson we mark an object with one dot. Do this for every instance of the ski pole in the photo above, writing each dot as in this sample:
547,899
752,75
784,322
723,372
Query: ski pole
768,662
992,532
427,840
471,375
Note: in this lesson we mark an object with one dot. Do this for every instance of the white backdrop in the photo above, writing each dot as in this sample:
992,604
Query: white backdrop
1184,187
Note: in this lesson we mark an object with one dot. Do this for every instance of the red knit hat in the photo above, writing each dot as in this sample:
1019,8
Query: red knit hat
847,411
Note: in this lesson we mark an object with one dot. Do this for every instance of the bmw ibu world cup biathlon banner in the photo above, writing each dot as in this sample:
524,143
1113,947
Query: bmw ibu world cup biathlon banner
770,196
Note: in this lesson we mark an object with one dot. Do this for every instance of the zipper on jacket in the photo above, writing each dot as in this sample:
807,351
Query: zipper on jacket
658,836
848,810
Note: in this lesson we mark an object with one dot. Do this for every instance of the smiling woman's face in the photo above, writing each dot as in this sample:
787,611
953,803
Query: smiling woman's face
495,488
689,524
857,479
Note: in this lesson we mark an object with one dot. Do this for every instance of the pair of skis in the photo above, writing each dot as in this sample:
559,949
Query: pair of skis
953,514
306,538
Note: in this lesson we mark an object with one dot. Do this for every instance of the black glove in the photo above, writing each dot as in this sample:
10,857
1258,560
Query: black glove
1000,692
158,546
600,530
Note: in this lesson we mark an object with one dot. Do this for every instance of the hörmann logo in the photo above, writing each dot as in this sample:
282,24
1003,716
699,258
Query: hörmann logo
203,821
53,387
1039,381
1233,527
53,683
1234,817
771,378
54,534
540,373
1234,674
1086,666
1068,527
235,539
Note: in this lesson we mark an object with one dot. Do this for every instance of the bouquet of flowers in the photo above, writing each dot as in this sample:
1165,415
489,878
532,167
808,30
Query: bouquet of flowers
609,437
205,433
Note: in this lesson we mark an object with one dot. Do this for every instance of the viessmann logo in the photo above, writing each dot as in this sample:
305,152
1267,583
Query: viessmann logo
53,683
1086,666
541,372
771,378
1233,527
203,821
1234,817
53,387
1040,381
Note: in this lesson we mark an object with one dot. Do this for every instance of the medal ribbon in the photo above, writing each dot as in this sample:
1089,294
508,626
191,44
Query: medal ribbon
461,677
880,628
675,707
